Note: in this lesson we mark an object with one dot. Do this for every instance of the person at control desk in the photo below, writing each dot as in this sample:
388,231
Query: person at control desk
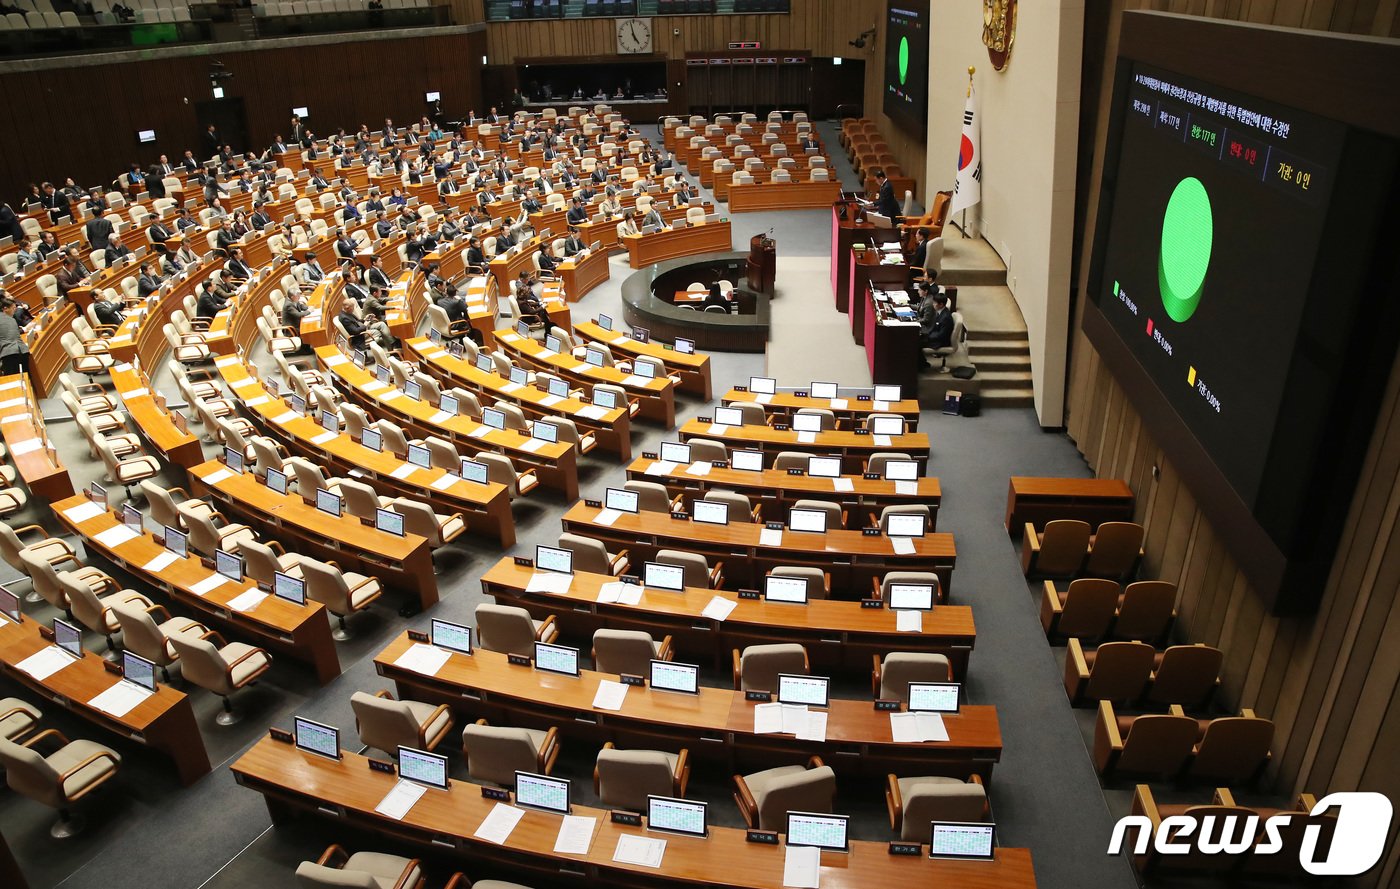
716,297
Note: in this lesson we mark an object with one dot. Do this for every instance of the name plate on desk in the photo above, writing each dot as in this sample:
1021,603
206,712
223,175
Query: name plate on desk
112,667
280,735
797,472
802,393
720,464
760,696
632,819
861,430
741,388
704,419
680,516
863,398
630,578
766,837
898,848
593,504
417,636
496,793
870,476
870,532
524,562
650,455
781,427
872,603
631,679
749,594
519,660
883,704
378,766
46,633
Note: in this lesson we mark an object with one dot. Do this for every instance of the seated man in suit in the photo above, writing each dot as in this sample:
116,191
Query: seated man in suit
68,276
475,255
260,218
531,306
354,328
653,217
573,243
148,281
236,270
158,233
209,303
577,212
935,321
344,244
115,250
375,274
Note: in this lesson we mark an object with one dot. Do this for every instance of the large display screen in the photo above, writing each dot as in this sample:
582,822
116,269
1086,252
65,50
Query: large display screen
906,63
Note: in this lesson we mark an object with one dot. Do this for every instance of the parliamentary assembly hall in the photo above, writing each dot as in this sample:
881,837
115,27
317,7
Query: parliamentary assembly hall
699,444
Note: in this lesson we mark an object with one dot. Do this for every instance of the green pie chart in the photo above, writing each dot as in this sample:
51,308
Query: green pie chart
1188,232
903,60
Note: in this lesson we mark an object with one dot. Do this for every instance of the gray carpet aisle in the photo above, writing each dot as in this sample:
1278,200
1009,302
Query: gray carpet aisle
148,832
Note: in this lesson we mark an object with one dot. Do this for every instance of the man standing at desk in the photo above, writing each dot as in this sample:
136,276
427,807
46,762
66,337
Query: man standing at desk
98,230
885,203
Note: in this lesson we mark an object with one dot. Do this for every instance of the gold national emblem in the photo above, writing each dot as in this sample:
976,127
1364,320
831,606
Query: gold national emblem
999,30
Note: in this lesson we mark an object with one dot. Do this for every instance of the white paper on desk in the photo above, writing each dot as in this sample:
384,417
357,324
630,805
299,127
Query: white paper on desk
881,405
324,437
717,429
120,699
931,726
115,536
609,593
644,851
335,360
699,467
770,537
635,381
11,402
434,354
763,399
226,361
548,582
254,402
618,340
159,562
843,485
247,601
421,658
767,719
606,517
403,470
903,546
498,824
794,718
508,337
391,395
532,444
806,437
814,729
630,594
909,621
15,384
444,481
374,386
547,352
914,728
440,417
82,512
610,695
216,476
398,801
511,387
550,400
575,834
802,867
883,441
593,412
20,448
581,368
480,432
45,662
718,608
282,419
839,404
907,489
15,418
661,467
208,584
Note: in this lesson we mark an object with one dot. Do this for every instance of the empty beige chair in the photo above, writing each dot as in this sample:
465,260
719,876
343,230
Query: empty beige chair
651,497
500,470
467,404
51,589
342,592
904,577
1114,550
355,420
568,433
915,803
510,629
1156,745
143,636
1232,749
698,572
591,556
883,520
619,397
220,667
752,413
386,724
623,779
765,798
48,549
361,500
311,478
835,515
826,417
261,561
818,581
738,506
878,461
707,449
757,668
1187,675
1145,610
17,719
628,651
210,531
72,771
890,678
86,363
164,509
1059,552
438,528
1115,671
94,613
791,460
495,753
1084,611
338,869
129,471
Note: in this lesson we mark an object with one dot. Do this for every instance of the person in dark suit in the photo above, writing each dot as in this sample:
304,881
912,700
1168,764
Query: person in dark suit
475,255
154,183
98,230
159,233
212,142
68,276
226,237
547,260
573,243
115,250
189,162
383,226
148,281
236,269
344,244
294,308
375,274
354,328
55,201
918,256
653,217
885,202
715,298
209,303
935,322
260,218
107,312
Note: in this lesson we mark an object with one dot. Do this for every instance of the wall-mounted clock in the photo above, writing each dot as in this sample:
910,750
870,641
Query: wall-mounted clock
633,36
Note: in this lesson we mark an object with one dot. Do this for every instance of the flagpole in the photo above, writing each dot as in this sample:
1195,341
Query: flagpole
971,70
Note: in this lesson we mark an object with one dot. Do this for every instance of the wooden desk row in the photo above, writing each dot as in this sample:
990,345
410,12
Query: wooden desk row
693,369
853,449
838,635
1040,500
671,243
795,195
347,792
154,420
850,412
27,440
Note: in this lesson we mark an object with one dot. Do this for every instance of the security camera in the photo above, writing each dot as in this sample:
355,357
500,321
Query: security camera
860,41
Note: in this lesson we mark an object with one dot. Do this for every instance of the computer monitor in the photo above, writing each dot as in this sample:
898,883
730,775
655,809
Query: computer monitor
233,459
176,542
556,658
453,637
824,390
285,586
277,480
67,637
9,604
558,388
433,96
672,676
806,422
544,431
484,363
644,369
685,346
813,829
709,512
420,456
794,688
620,500
594,357
605,322
228,564
328,502
887,425
605,398
473,471
824,467
132,518
448,404
413,389
888,393
912,597
316,737
812,520
729,416
542,792
381,373
297,403
138,670
966,841
388,521
746,460
902,471
523,328
934,697
676,815
554,558
372,439
777,588
330,422
905,524
763,385
494,418
658,575
422,767
97,494
675,452
552,343
519,376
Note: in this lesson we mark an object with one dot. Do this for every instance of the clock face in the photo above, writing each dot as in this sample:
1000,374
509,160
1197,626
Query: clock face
633,35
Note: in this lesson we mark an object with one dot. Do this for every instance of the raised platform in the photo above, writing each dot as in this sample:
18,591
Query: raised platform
710,331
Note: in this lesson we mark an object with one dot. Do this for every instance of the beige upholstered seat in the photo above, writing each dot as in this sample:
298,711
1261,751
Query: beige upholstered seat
835,515
923,577
511,630
708,450
890,677
17,718
627,651
262,561
342,592
697,570
915,803
738,506
51,589
337,869
818,581
590,555
495,753
765,797
623,779
94,613
386,724
222,669
757,668
420,519
651,497
143,636
72,771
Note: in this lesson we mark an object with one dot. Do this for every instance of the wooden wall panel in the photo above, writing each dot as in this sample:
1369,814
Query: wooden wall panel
1330,681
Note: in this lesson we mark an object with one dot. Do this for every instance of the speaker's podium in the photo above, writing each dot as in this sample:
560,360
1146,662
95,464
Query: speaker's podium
763,263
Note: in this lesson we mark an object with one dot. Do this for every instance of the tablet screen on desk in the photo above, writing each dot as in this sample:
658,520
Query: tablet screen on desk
545,431
644,369
448,404
372,439
641,334
519,376
709,512
605,398
685,346
485,364
327,502
813,520
620,500
676,815
132,518
413,389
9,604
556,658
68,637
777,588
605,322
904,525
824,390
138,670
494,418
330,422
422,767
902,471
934,697
419,456
949,839
763,385
593,357
671,676
824,467
554,558
175,542
911,596
558,388
277,481
746,460
233,459
658,575
454,637
381,373
887,425
802,422
887,393
523,328
316,737
542,792
285,586
228,564
793,688
822,831
297,403
473,471
675,452
388,521
729,416
553,344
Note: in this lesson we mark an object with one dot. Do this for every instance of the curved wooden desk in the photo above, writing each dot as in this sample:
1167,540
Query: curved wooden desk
27,440
670,243
783,196
582,275
154,420
853,449
347,791
693,369
836,633
849,411
656,398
